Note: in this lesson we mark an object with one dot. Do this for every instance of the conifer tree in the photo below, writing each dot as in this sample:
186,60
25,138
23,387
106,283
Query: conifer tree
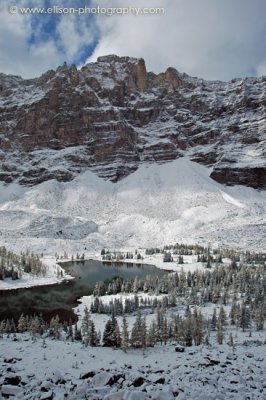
165,334
85,327
70,330
187,312
117,336
244,317
35,325
92,334
55,327
137,332
231,341
159,324
144,333
233,313
222,316
220,333
7,327
77,332
2,327
214,320
22,325
176,327
151,338
98,338
198,327
207,339
180,260
108,334
187,331
259,319
111,334
125,335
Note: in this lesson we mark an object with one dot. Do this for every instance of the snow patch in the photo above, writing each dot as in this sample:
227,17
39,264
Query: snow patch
154,206
232,200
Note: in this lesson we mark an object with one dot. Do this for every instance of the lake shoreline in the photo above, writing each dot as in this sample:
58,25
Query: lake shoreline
61,298
53,264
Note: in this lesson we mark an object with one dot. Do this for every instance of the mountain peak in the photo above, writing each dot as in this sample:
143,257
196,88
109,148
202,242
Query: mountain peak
110,58
112,116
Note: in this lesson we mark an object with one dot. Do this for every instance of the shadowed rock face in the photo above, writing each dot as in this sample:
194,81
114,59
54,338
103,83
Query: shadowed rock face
253,177
112,115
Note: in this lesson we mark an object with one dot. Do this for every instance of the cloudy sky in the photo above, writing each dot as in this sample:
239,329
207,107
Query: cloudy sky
213,39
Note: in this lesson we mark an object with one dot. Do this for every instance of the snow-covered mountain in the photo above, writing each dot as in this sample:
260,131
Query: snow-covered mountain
112,116
114,156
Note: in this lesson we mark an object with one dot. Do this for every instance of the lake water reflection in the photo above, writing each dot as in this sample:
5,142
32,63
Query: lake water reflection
60,299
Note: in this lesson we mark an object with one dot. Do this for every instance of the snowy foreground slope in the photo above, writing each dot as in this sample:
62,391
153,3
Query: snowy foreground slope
33,369
154,206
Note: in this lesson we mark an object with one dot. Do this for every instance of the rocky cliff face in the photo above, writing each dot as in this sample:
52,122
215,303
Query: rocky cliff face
112,115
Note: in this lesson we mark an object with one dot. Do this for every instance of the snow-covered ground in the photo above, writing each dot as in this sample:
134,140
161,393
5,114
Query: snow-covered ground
59,370
154,206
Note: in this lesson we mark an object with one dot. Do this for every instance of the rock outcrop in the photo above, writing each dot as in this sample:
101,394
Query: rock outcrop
112,115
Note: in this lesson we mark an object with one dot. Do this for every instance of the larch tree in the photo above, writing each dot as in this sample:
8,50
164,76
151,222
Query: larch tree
22,325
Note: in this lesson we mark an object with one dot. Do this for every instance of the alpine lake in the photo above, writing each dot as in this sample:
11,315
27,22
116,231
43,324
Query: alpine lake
60,299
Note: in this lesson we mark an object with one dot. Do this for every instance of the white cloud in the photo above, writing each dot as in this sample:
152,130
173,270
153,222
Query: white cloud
17,56
20,56
209,38
214,39
74,33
